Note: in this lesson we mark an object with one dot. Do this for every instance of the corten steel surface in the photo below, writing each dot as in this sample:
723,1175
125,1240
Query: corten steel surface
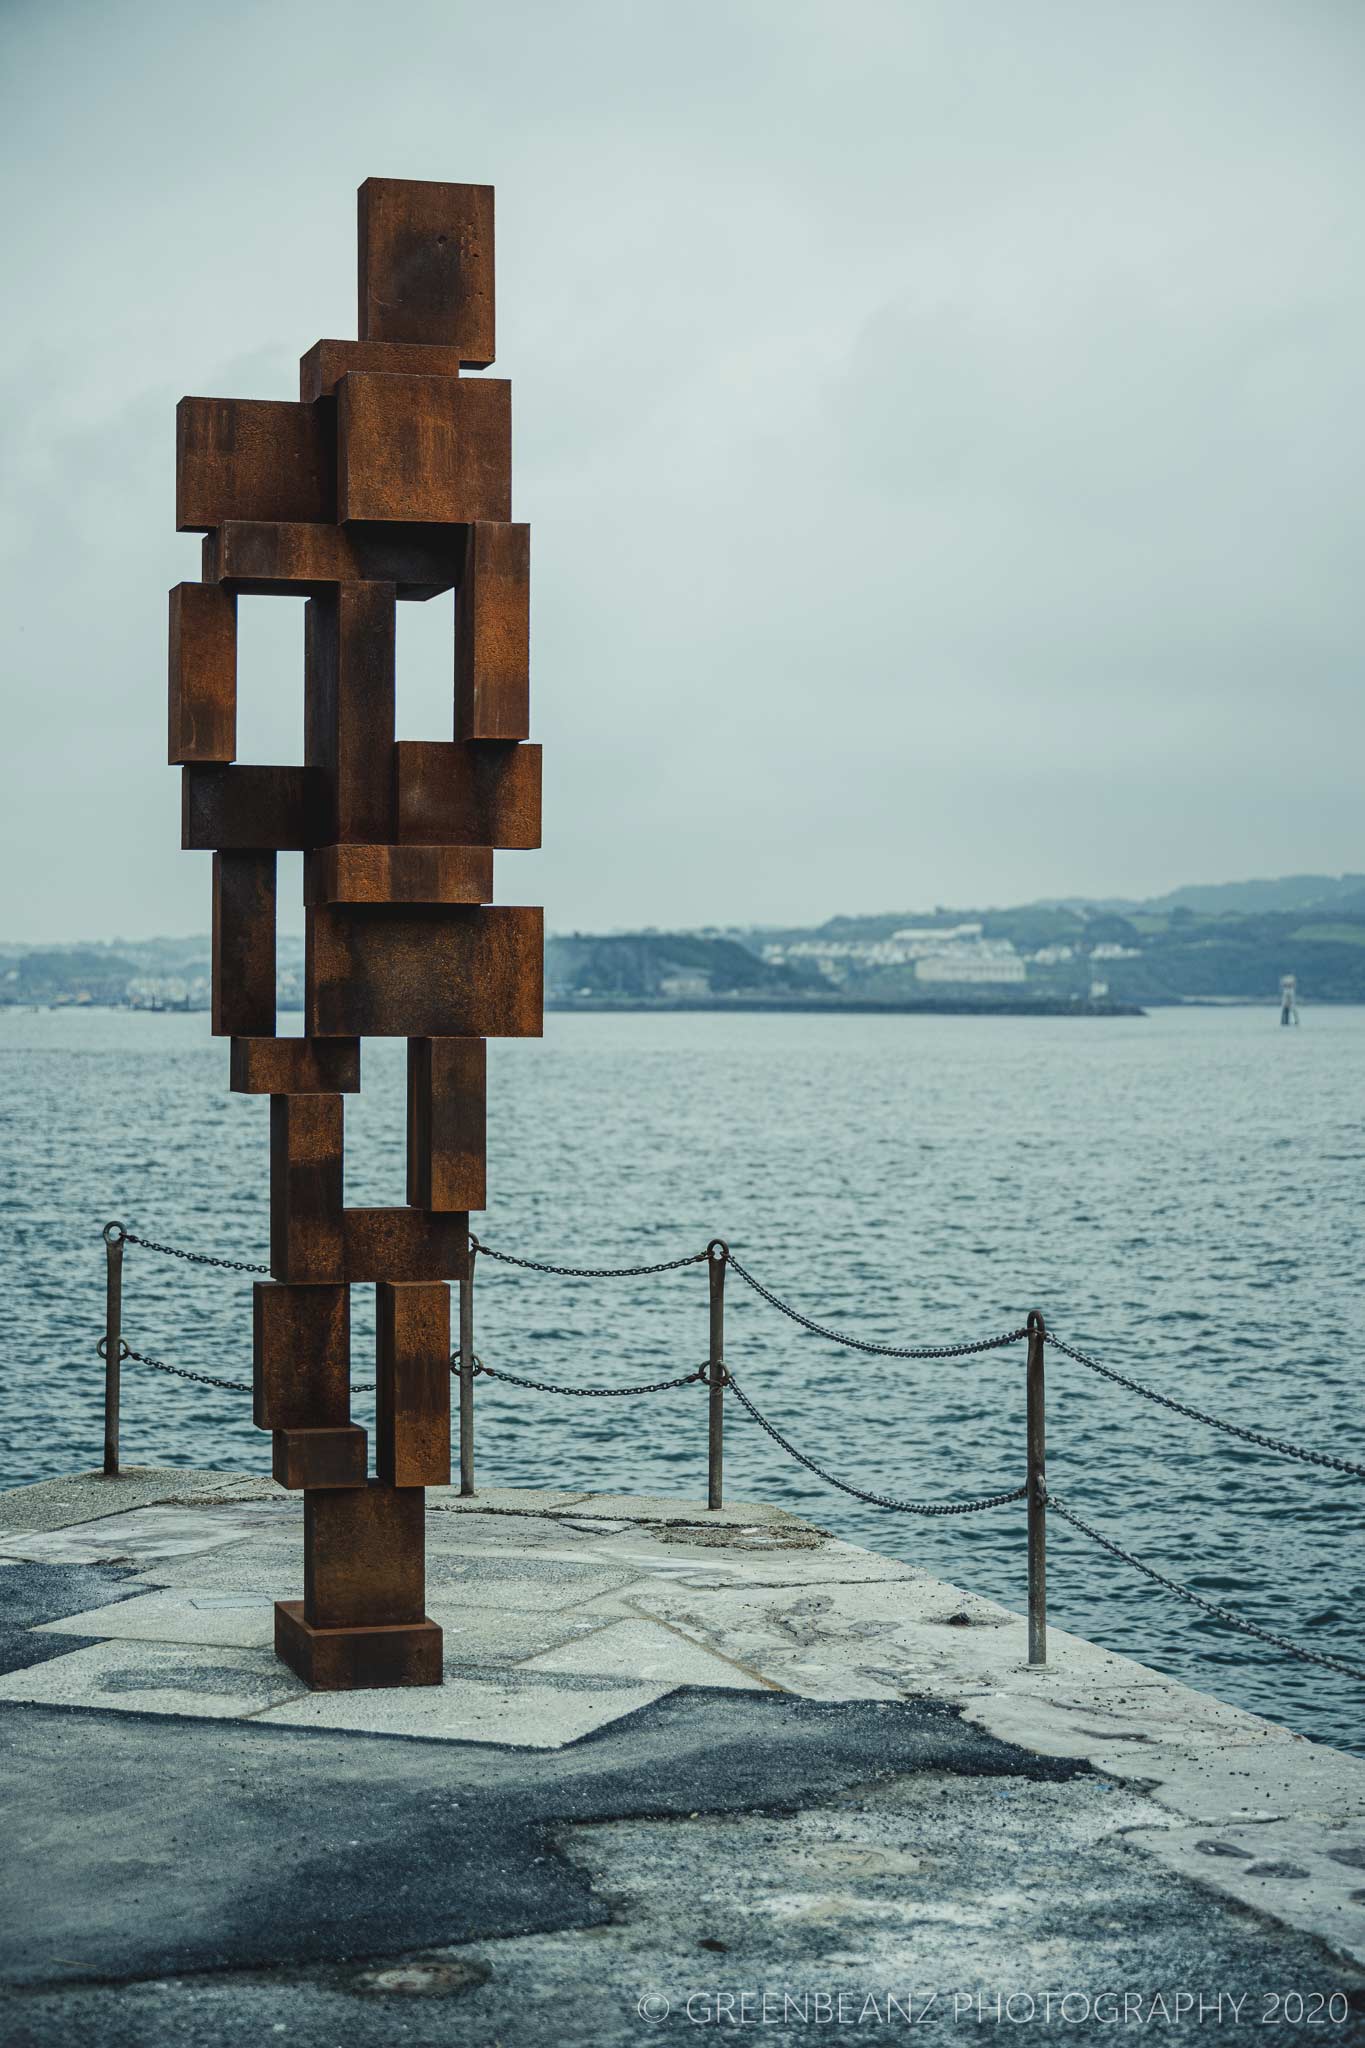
399,874
203,721
320,1457
447,1117
295,1066
467,793
389,480
412,1383
263,558
418,449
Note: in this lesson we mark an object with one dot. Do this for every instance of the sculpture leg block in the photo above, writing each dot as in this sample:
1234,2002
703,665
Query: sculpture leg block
364,1556
412,1404
350,1659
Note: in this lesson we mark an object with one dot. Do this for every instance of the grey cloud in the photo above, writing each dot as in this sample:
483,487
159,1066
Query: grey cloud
940,427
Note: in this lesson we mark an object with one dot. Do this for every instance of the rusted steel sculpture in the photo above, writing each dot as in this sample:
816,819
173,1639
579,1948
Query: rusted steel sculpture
390,478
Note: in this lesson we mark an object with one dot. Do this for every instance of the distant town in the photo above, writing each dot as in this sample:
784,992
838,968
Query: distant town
1225,942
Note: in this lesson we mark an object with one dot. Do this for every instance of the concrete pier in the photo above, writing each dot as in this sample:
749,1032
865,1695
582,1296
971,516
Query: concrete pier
689,1772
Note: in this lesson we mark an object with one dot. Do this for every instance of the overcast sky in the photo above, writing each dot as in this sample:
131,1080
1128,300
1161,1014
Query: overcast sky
940,423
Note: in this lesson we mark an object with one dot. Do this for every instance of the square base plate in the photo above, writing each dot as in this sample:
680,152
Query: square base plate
347,1659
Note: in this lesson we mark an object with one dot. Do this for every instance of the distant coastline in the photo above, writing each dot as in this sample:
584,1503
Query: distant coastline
1220,943
842,1006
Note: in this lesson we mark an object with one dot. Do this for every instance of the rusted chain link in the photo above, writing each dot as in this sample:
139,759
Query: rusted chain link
204,1379
877,1500
1223,1614
863,1343
587,1272
489,1372
1250,1436
171,1251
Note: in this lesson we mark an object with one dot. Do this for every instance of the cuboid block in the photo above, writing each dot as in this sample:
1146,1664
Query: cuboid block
426,265
412,1384
247,807
320,1457
352,1659
301,1357
289,558
493,635
349,706
306,1236
423,449
295,1066
253,458
447,1123
424,971
364,1556
399,874
327,362
405,1244
467,793
243,944
203,674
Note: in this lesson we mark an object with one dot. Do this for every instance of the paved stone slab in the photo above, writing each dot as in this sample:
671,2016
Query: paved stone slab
779,1557
224,1620
143,1537
1246,1781
648,1651
500,1500
156,1678
869,1640
473,1635
264,1567
512,1710
86,1496
1105,1723
1298,1871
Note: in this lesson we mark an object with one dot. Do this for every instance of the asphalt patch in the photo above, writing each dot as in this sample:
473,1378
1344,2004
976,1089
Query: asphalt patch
165,1846
31,1594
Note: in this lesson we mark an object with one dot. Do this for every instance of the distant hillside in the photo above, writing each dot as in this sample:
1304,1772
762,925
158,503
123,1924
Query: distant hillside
1227,942
650,965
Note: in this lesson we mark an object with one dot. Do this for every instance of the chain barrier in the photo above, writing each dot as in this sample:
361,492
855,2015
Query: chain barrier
587,1272
1250,1436
489,1372
203,1379
171,1251
862,1343
1223,1614
877,1500
207,1379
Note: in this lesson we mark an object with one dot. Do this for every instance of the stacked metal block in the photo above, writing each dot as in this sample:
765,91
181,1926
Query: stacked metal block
389,479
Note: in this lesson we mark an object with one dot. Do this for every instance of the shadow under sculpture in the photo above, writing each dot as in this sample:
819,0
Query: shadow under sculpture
388,480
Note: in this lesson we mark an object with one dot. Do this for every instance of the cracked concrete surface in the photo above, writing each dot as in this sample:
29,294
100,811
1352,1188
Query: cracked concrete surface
676,1756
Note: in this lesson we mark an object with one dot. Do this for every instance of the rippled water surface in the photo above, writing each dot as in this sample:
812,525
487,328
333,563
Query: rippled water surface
1179,1193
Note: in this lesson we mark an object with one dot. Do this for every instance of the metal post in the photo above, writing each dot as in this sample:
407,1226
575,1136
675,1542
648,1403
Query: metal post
113,1341
717,1252
467,1376
1037,1493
